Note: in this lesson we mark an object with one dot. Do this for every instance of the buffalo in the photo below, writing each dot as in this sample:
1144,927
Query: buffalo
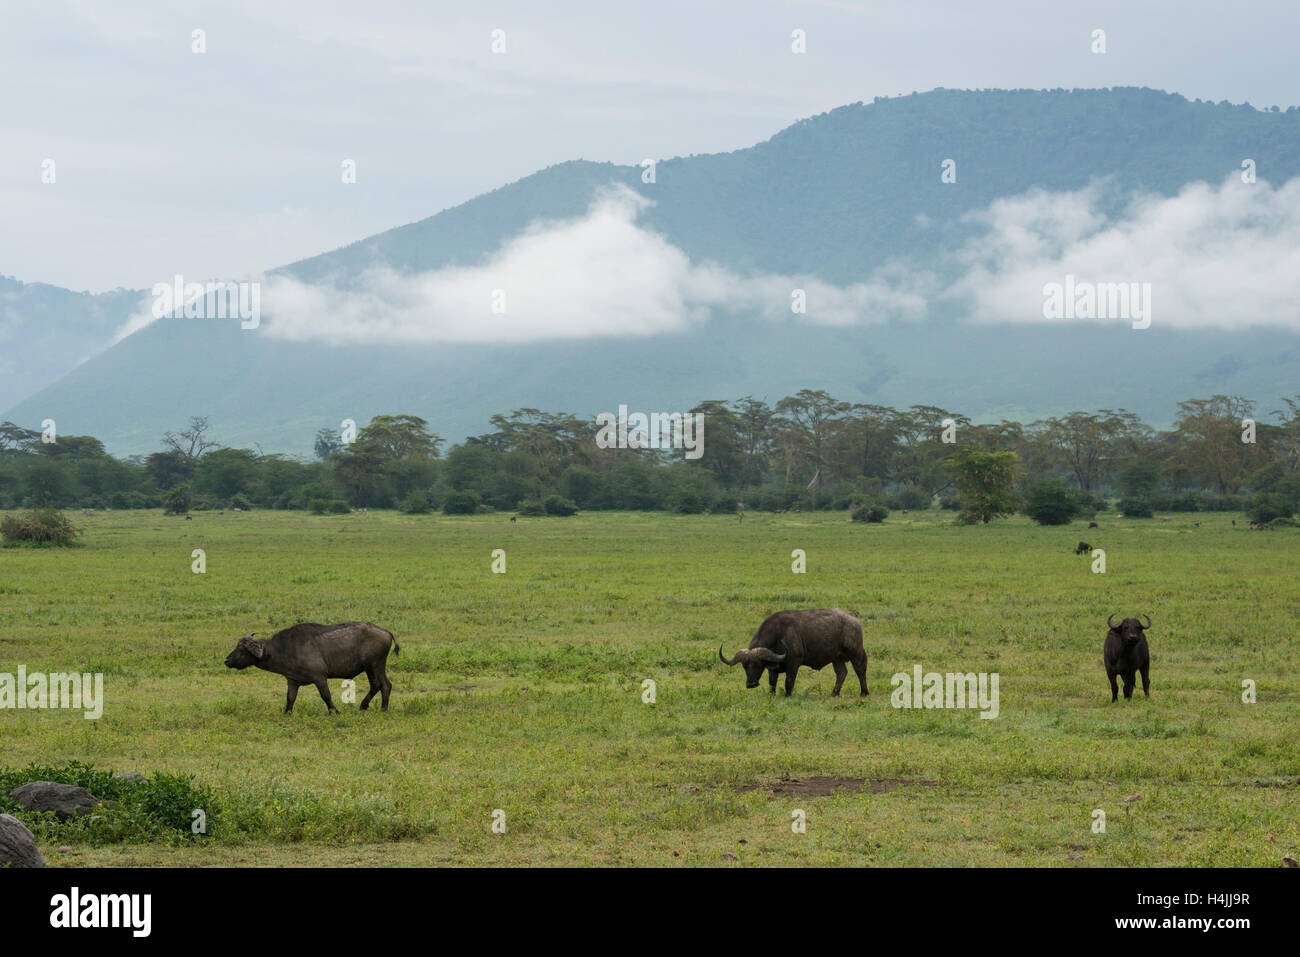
308,653
1083,548
815,638
1126,652
1093,525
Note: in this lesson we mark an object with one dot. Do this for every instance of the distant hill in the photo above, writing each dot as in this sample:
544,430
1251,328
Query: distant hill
835,195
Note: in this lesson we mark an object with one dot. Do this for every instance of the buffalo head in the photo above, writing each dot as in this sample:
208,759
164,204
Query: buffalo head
248,651
755,660
1130,629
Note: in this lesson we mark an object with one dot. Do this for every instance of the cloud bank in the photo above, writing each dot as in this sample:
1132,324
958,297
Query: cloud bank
1214,256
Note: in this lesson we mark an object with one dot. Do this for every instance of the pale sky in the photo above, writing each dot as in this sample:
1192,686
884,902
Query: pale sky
227,163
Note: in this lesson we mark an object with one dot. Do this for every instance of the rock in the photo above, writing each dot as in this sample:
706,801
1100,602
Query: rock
129,776
17,845
1290,861
65,800
65,848
1132,797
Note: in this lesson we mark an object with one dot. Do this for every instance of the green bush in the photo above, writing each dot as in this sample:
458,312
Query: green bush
868,512
1268,506
136,810
531,508
44,527
1049,502
461,503
417,503
911,498
559,505
1135,508
178,501
241,503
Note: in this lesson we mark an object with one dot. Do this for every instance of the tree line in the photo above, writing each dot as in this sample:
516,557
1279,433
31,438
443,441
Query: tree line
807,451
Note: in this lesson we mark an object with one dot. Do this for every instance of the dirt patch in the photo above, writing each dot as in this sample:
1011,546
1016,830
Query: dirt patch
823,786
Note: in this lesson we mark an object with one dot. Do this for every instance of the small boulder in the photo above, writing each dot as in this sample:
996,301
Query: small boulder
17,845
65,800
129,776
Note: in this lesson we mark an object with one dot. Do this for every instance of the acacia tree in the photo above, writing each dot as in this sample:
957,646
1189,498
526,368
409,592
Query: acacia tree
1208,433
1089,443
985,479
809,421
191,442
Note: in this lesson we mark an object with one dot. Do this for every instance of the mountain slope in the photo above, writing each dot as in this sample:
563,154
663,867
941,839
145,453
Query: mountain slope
836,196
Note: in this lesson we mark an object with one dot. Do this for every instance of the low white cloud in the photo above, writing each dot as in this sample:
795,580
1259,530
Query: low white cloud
1215,256
1222,256
601,274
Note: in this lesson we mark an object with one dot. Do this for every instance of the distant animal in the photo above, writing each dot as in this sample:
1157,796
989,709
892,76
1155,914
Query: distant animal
813,638
514,518
1234,523
308,653
189,518
1125,652
1093,525
1083,548
1197,524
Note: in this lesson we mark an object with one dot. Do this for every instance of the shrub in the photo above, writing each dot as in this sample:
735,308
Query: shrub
461,503
912,498
868,512
531,508
1135,508
46,526
1267,507
559,505
417,503
724,505
160,805
241,503
1049,502
178,501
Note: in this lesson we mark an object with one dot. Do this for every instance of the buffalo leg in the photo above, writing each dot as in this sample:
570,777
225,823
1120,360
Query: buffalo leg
375,685
860,666
386,688
291,697
1146,682
841,673
323,687
1114,687
772,674
790,674
1129,682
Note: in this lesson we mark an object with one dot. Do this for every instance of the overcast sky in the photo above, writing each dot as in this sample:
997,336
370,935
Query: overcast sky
227,163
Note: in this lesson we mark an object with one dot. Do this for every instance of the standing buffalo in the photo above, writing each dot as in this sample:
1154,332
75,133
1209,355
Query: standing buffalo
815,638
1126,652
308,653
1083,548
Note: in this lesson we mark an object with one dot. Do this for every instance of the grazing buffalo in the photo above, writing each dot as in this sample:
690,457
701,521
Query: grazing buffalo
1093,525
815,639
1083,548
1126,652
308,653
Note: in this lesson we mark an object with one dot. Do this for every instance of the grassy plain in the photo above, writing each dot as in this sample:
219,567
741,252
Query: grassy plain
522,691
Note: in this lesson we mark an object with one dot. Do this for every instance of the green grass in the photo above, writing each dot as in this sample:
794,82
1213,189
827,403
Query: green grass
522,691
